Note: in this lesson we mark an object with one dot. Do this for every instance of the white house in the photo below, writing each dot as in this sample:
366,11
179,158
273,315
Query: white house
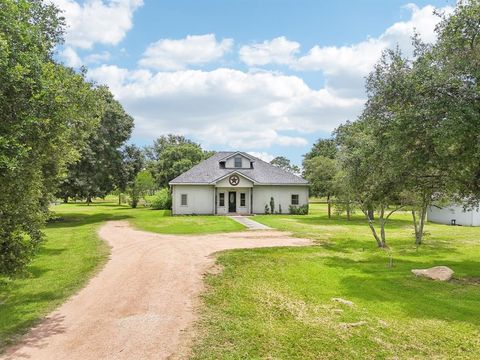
236,183
454,215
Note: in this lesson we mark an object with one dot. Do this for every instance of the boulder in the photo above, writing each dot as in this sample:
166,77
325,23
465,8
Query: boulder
441,273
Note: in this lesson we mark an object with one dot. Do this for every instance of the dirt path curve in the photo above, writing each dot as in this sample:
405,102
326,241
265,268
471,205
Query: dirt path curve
142,303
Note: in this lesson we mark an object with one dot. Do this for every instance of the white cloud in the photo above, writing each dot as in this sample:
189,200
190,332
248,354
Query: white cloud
345,67
362,56
254,109
169,54
71,57
97,58
265,156
226,107
334,60
422,20
97,21
279,50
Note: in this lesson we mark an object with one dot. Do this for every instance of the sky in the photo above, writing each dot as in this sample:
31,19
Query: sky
268,77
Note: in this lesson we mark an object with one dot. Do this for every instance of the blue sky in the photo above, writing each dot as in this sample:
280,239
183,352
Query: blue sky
265,76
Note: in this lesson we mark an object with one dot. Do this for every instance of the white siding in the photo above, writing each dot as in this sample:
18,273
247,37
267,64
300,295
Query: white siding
454,212
282,195
230,163
243,182
200,199
243,210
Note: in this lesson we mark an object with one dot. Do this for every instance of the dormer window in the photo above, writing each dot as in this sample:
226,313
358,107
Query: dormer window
238,161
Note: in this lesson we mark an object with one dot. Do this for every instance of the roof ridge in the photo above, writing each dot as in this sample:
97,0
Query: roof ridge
208,170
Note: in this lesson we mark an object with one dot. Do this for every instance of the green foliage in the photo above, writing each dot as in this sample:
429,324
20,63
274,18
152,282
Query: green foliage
143,184
320,171
132,162
98,169
323,147
172,155
285,164
45,116
272,205
455,59
418,138
267,209
162,200
298,210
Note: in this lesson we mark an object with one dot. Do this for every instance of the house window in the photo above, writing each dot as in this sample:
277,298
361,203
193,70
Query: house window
294,199
238,162
183,200
243,199
221,199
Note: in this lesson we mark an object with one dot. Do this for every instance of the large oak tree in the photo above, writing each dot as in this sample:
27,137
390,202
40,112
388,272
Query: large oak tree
46,113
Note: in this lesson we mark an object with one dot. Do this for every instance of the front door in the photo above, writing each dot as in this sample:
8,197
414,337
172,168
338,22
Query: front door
232,201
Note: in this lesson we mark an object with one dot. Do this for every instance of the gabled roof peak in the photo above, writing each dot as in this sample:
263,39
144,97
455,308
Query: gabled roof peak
250,157
263,173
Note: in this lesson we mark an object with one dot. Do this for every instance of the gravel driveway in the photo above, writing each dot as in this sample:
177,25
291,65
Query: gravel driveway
142,304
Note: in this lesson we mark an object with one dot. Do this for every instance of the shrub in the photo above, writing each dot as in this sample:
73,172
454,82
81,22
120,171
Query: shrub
267,209
299,210
162,200
272,205
140,187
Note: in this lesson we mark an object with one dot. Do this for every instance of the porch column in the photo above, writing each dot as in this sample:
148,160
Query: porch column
214,200
251,200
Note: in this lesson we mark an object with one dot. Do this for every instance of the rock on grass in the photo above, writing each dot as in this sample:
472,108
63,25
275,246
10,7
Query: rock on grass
441,273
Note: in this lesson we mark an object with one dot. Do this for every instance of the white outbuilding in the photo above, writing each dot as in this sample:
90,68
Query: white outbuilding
236,183
454,215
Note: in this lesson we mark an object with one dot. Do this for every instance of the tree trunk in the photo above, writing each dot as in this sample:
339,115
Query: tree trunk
381,240
119,199
419,224
89,199
348,210
329,207
374,231
371,214
382,222
65,199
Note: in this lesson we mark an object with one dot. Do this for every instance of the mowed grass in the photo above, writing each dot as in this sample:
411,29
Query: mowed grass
144,218
277,303
73,252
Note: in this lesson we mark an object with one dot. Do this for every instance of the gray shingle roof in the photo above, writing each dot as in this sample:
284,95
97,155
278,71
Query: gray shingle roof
263,173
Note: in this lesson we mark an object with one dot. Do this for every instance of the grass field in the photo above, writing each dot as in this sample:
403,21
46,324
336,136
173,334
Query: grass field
73,252
276,303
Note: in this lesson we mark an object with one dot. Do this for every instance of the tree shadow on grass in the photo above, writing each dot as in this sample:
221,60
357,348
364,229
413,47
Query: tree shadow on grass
38,336
52,251
380,287
80,219
320,220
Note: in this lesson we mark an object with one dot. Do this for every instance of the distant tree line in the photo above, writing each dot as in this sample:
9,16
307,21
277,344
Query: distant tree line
417,140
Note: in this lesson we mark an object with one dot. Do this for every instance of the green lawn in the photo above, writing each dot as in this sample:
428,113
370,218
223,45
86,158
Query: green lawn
276,303
73,252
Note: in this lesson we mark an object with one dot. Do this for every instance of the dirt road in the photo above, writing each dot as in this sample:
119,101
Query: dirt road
142,304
